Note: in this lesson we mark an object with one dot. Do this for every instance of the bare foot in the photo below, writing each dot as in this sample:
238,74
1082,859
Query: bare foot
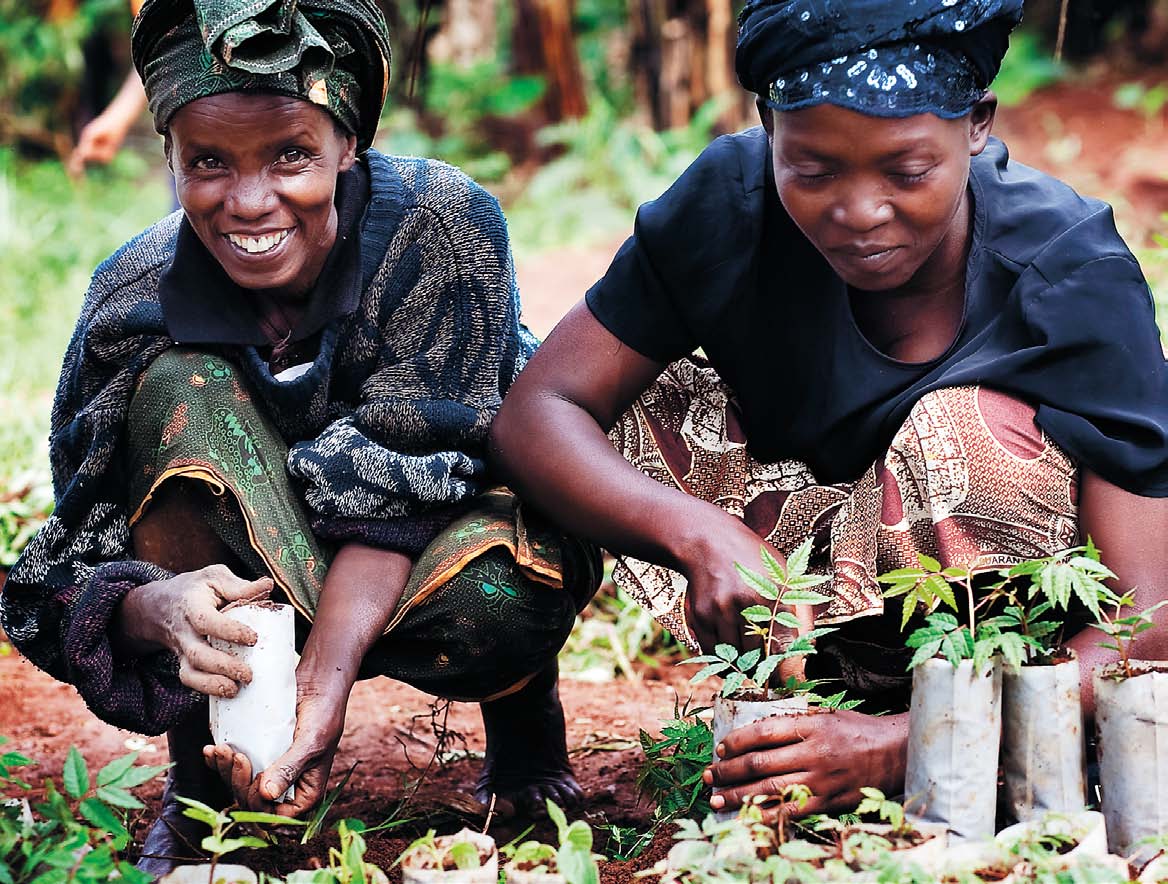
527,750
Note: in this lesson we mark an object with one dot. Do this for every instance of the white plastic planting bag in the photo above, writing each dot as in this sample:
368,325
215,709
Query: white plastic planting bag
731,713
1043,753
1131,716
260,720
954,730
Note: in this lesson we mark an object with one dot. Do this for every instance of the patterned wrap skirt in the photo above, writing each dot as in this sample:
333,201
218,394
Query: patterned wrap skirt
489,602
969,479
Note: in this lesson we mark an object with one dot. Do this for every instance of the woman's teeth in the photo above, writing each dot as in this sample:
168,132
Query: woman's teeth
253,245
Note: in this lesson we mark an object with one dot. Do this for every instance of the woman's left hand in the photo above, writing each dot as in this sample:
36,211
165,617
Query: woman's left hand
320,721
832,753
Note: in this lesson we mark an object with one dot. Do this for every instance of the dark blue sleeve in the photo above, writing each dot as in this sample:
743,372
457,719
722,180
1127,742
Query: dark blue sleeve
690,247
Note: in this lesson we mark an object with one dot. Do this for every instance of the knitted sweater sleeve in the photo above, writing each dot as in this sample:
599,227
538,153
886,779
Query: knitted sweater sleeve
444,323
65,589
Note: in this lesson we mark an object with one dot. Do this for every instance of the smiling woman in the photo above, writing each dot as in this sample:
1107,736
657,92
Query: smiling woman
916,345
285,389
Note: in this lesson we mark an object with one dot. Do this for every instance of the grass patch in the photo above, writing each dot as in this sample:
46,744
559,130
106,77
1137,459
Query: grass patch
53,233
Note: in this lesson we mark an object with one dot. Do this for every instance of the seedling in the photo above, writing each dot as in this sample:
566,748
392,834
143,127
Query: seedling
224,823
1122,631
443,854
573,859
1029,594
671,774
890,812
78,836
346,863
782,587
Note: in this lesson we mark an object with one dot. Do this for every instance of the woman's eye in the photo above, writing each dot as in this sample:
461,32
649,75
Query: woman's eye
815,177
911,177
292,155
207,164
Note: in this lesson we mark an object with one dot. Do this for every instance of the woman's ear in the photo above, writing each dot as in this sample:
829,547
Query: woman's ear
348,152
767,117
981,122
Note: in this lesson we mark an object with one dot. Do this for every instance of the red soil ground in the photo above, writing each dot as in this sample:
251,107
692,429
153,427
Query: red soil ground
1072,130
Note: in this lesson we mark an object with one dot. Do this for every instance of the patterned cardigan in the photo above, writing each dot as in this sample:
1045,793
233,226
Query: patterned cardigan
387,431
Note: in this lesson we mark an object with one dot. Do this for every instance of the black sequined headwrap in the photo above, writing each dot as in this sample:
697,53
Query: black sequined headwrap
889,58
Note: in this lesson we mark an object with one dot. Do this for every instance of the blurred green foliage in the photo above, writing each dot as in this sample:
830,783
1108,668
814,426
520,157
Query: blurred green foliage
41,65
609,165
467,96
53,233
1028,65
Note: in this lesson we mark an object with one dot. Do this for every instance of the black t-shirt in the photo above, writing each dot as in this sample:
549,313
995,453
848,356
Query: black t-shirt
1057,312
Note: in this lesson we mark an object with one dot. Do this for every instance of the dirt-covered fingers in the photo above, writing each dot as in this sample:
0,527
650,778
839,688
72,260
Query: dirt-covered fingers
210,672
773,787
234,768
770,733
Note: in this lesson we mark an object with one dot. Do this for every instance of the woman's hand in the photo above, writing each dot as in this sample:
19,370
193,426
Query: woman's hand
717,594
832,753
320,721
180,614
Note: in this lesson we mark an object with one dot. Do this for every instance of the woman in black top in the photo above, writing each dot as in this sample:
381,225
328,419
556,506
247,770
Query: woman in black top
915,345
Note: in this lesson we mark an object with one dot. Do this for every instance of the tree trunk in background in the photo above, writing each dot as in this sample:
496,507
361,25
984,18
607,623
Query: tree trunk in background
681,56
543,43
468,33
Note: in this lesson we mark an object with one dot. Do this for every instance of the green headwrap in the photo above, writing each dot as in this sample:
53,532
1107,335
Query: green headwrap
334,53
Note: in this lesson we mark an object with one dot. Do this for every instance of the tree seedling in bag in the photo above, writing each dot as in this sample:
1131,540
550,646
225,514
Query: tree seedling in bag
748,674
346,863
1131,720
466,857
570,863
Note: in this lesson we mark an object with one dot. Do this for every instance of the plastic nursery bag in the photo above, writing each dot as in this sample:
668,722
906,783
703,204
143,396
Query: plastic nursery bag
260,720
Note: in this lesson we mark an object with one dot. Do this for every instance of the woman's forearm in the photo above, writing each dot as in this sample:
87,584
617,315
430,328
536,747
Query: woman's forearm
361,592
555,455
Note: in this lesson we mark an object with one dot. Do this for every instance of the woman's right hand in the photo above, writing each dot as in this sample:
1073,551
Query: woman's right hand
717,594
181,613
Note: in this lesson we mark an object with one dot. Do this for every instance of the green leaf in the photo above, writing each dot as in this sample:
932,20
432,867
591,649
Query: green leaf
749,659
774,566
116,769
708,671
804,597
464,854
726,652
557,816
766,668
758,583
265,819
136,776
939,587
757,613
733,682
118,797
928,562
197,810
100,816
76,774
799,560
787,619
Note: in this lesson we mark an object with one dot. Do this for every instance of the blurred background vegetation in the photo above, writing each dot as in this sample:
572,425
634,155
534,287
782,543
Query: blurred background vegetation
572,111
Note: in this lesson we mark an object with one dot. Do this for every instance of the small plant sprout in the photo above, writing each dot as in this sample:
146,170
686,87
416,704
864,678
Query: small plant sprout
77,835
574,856
1122,631
223,824
460,852
671,774
782,587
890,812
1028,595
